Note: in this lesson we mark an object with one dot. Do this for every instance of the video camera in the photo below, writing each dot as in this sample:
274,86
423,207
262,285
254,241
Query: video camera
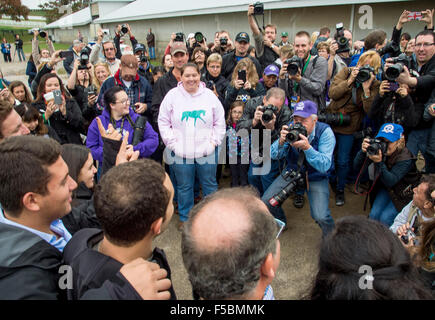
294,131
375,145
296,180
42,33
293,65
364,73
392,72
342,41
179,37
268,112
335,119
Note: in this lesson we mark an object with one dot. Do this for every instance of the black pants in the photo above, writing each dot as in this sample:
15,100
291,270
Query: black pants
239,174
7,57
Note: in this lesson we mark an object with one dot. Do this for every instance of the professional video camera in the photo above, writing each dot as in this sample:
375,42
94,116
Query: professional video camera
179,37
268,112
293,65
296,179
335,119
394,71
391,47
375,145
258,8
364,73
342,41
294,131
84,58
42,33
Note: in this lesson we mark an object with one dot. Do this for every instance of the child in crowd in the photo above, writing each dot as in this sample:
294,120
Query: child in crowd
238,147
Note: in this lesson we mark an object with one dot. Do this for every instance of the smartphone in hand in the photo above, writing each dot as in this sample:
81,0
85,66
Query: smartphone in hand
57,94
241,75
415,16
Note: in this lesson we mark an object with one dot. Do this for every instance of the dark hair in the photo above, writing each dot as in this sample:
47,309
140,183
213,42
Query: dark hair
425,253
75,157
195,51
41,87
355,242
5,110
373,38
230,270
250,50
430,180
323,31
235,104
303,34
129,198
24,162
109,96
405,36
190,64
426,32
158,69
29,113
16,84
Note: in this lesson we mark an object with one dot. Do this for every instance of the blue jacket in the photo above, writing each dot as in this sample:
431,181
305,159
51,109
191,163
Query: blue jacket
142,90
95,143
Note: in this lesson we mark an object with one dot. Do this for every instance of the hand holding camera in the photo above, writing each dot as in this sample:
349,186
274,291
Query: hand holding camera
283,135
257,116
352,77
268,117
55,58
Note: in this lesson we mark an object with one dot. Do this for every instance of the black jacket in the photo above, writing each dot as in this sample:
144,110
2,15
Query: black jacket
221,86
91,269
245,122
68,128
426,82
161,88
229,62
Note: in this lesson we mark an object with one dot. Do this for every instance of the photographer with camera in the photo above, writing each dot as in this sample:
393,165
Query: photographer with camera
231,59
266,112
197,40
352,92
109,52
391,168
199,56
308,147
80,85
265,47
303,76
222,43
76,49
339,51
41,55
120,31
145,67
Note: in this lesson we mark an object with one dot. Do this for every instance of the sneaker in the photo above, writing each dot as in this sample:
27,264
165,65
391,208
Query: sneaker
339,198
298,201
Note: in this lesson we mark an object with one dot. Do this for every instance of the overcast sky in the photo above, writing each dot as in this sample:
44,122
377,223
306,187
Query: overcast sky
32,4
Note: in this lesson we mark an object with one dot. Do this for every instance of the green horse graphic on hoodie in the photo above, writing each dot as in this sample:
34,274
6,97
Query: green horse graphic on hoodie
196,114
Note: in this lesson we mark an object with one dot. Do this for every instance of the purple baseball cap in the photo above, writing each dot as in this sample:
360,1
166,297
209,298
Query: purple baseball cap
271,69
305,109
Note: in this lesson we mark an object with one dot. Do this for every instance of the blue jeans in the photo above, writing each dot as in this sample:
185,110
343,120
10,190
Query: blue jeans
418,141
262,182
344,148
318,196
21,54
174,184
185,174
152,52
383,209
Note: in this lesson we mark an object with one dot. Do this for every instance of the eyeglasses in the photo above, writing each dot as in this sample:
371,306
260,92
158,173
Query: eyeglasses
214,67
124,101
280,226
425,45
236,112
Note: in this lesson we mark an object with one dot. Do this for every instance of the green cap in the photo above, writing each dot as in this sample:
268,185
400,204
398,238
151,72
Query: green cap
284,34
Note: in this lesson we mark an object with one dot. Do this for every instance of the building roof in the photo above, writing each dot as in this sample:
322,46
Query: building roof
145,9
79,18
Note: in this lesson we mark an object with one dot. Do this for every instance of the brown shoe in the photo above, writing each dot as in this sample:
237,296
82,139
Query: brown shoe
180,226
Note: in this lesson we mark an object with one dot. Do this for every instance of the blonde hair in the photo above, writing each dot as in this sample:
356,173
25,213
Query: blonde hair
251,72
287,51
214,57
323,45
314,36
373,56
95,81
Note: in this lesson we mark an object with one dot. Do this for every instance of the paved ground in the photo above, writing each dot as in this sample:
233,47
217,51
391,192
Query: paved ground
299,244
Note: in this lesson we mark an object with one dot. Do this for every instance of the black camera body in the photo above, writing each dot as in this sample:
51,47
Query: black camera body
179,37
90,91
397,68
375,145
143,58
84,59
124,30
367,132
295,181
342,41
392,48
295,131
42,33
199,37
335,119
210,84
364,73
268,112
293,65
258,8
223,41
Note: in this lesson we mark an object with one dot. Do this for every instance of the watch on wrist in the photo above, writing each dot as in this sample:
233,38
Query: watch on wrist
272,46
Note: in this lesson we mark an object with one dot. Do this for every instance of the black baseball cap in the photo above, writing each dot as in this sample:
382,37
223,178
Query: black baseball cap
139,47
242,36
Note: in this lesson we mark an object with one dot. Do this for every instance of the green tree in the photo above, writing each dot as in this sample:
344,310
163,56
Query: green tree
58,8
14,9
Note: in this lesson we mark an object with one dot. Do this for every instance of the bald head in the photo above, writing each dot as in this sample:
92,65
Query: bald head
225,242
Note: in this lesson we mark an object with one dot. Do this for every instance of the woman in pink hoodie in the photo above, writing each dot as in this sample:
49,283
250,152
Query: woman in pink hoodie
192,125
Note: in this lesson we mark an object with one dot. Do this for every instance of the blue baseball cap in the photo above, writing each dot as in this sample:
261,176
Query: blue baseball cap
390,131
305,109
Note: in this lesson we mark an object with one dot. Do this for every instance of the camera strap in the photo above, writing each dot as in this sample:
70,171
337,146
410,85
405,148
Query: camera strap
366,193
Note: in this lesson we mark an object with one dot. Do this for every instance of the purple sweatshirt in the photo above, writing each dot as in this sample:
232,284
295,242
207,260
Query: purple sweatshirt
191,125
95,143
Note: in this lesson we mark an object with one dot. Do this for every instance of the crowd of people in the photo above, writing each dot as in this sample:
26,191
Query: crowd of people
93,169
